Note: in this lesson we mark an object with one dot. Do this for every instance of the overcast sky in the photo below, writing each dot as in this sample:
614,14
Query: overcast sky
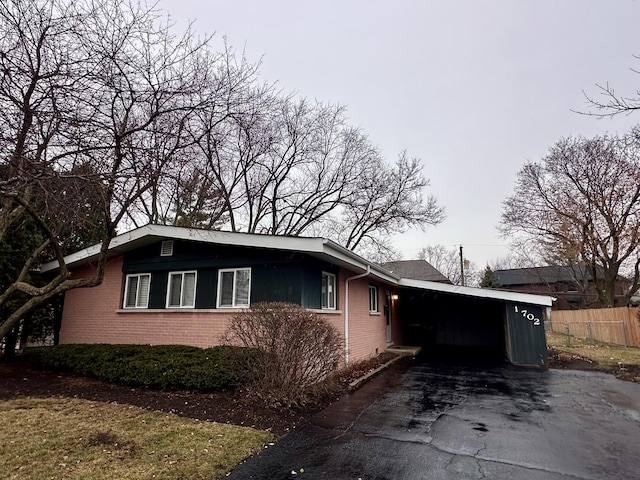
474,88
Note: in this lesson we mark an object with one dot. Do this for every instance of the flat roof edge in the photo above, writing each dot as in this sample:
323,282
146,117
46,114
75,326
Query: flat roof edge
542,300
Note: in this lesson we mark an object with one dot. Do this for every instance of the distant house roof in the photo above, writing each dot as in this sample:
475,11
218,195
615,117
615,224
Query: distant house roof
541,275
416,270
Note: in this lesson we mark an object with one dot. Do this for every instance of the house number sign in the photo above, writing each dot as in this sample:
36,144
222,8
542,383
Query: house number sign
528,315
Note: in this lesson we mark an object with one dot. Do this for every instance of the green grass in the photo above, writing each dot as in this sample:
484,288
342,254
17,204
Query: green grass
66,438
607,355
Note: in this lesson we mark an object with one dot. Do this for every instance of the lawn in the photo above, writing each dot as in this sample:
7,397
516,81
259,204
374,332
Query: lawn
623,362
67,438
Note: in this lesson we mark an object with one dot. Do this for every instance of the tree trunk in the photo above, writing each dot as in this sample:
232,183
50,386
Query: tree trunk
10,340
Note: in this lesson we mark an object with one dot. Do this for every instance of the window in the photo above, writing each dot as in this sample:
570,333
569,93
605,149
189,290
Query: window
328,290
136,294
234,287
181,292
373,298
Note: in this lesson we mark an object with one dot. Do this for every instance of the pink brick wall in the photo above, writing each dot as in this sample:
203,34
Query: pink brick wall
95,316
367,332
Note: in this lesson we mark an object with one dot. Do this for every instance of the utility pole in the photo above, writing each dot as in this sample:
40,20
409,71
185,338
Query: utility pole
461,267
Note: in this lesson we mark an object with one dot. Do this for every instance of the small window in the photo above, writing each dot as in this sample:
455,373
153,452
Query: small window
166,249
181,292
373,298
136,294
234,287
328,290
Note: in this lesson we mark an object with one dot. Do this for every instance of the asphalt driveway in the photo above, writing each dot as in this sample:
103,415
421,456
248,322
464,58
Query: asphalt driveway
447,421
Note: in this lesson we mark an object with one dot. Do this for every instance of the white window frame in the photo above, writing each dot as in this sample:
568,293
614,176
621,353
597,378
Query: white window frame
373,299
329,297
234,299
127,285
195,284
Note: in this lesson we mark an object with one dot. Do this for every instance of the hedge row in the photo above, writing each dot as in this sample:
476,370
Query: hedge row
165,367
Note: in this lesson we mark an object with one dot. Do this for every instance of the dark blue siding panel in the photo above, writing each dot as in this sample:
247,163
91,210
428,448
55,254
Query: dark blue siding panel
275,275
526,334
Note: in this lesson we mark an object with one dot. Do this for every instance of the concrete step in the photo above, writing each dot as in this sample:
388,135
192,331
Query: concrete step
406,350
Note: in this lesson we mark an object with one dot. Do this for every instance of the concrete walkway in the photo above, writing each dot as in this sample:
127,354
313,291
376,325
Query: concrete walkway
448,421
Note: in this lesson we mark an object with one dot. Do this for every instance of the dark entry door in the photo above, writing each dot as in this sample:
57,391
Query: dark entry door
387,315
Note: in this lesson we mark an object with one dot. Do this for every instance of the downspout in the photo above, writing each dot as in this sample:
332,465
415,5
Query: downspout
346,311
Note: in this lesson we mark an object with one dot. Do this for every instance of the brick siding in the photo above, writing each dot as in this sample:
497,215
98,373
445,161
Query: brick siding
96,316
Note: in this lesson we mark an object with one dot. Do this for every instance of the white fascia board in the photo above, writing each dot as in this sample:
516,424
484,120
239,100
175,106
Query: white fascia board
94,250
542,300
318,247
346,256
152,233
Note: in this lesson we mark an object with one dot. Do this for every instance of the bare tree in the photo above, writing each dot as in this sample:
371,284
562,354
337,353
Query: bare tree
387,200
447,261
109,120
581,206
609,103
291,167
523,254
84,86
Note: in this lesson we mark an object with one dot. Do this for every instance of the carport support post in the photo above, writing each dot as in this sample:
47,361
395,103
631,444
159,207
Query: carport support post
461,267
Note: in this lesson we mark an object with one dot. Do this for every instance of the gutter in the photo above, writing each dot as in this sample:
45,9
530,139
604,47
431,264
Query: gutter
346,311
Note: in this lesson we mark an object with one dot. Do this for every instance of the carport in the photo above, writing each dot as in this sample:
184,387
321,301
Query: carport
472,323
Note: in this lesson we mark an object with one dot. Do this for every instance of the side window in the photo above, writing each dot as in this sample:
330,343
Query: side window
136,293
373,299
181,292
234,287
328,290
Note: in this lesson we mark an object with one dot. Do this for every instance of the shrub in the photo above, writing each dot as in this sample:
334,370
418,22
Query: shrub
295,350
166,367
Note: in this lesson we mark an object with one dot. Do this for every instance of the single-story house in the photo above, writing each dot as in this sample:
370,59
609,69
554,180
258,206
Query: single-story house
571,285
175,285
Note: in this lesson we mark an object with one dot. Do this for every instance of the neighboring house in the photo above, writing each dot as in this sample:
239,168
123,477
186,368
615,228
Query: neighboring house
173,285
416,270
572,286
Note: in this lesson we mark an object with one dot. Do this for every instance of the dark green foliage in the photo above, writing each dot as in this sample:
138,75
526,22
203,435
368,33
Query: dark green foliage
16,245
165,367
489,279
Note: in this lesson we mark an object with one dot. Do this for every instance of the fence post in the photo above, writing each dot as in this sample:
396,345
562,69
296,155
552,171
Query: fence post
624,335
566,331
590,333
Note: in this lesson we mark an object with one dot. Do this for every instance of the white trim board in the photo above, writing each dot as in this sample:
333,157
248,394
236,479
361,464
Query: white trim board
321,248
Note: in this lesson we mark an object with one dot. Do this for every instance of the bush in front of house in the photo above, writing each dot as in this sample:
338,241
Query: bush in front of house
295,350
165,367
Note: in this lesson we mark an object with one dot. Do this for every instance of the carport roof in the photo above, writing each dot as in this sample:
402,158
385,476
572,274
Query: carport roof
489,293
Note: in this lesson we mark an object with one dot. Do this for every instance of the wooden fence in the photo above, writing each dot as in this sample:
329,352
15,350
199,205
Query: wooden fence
611,325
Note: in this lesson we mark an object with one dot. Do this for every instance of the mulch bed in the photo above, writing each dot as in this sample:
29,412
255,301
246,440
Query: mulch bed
18,378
